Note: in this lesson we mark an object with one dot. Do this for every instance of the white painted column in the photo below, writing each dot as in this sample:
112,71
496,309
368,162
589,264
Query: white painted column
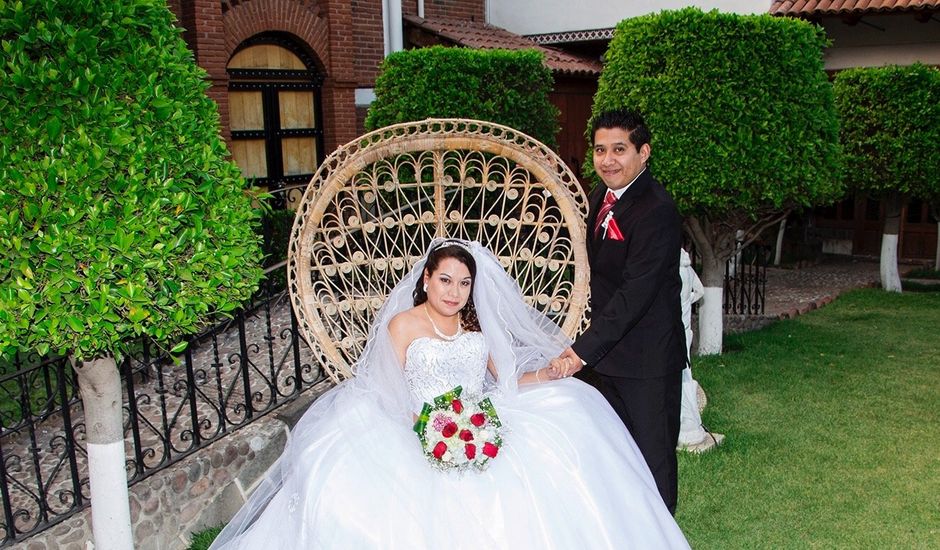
780,232
936,258
110,515
710,321
393,30
890,280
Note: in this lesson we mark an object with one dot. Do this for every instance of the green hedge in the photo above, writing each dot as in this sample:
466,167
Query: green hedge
891,128
119,213
506,87
740,108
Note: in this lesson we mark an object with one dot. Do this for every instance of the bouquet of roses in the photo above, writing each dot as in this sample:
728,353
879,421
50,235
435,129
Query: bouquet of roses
459,435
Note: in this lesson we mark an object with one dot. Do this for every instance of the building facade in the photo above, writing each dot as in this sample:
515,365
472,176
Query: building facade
293,78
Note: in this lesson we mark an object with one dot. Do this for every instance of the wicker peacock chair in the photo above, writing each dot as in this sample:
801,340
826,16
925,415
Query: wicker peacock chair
376,203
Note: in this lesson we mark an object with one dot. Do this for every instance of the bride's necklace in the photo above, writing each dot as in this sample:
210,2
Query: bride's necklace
438,332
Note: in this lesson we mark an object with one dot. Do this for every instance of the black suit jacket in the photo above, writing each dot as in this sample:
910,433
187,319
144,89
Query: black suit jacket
636,326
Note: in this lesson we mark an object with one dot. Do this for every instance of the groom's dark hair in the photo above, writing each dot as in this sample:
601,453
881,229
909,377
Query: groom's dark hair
468,315
630,121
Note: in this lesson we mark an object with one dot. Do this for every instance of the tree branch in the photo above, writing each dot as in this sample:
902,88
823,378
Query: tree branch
761,226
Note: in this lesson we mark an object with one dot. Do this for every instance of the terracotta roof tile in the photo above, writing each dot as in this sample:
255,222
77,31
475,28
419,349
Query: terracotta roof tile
483,36
842,7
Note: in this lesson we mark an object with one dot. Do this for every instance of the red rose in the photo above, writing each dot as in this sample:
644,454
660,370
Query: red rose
449,429
490,450
457,405
470,450
478,419
440,449
466,435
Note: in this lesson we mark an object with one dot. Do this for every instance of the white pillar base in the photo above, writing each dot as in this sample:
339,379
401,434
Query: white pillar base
711,319
110,510
890,280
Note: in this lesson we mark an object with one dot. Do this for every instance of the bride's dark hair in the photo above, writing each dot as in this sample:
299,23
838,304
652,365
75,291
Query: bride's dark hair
468,315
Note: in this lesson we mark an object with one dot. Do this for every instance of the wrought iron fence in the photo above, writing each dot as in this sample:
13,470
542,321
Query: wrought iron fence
745,289
236,371
746,280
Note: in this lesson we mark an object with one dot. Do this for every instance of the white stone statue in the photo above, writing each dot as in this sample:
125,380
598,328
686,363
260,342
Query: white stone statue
692,436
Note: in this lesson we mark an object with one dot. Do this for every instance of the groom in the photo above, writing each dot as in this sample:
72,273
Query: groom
635,343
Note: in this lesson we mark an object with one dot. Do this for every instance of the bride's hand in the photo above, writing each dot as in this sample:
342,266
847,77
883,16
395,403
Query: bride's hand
555,369
563,366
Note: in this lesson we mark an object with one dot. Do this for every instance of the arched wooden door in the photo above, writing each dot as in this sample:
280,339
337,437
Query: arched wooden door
274,112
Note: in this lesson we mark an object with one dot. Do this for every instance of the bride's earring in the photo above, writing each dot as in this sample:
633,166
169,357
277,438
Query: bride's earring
425,287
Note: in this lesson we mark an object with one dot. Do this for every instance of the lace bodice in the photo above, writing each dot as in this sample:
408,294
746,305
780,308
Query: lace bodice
434,366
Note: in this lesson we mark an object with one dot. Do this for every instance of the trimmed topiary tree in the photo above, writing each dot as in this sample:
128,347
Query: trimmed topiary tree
120,216
891,137
743,126
506,87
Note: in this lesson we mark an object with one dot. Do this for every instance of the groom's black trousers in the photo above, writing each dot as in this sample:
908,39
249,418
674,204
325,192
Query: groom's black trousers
650,409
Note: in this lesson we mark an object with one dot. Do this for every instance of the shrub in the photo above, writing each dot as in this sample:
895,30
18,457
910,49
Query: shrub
890,133
506,87
891,128
740,108
120,214
742,121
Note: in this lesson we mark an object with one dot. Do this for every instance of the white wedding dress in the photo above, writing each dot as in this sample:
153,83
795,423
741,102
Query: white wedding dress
568,476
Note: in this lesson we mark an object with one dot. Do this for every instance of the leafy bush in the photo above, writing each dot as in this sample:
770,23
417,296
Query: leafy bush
739,107
891,128
742,119
119,214
506,87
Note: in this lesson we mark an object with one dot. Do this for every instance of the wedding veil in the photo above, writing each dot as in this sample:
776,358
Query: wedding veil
518,337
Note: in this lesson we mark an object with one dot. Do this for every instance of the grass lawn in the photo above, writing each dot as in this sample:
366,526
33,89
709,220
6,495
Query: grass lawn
833,431
203,539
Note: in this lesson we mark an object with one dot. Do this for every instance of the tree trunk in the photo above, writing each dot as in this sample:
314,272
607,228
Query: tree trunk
779,252
711,310
890,280
100,384
936,257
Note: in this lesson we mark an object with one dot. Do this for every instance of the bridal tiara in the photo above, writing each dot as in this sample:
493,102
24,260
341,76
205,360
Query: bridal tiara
452,242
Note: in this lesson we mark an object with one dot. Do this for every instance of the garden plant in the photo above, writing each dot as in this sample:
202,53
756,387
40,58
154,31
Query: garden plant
740,138
890,134
121,216
506,87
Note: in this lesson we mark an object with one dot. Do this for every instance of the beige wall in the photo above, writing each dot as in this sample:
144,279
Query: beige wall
545,16
898,39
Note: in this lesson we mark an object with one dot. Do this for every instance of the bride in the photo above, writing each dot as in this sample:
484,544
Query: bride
354,475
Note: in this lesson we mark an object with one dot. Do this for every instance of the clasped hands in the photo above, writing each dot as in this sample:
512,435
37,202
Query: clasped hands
564,365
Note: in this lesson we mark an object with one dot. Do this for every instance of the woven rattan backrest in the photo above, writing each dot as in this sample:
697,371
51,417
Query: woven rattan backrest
376,203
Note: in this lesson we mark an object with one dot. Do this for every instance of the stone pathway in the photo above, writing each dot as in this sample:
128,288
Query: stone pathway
791,292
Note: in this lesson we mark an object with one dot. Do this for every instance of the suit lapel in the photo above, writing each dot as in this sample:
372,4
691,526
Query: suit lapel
620,209
597,197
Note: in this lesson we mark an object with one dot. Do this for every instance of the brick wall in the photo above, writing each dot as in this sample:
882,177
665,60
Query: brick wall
339,90
344,36
472,10
369,48
361,113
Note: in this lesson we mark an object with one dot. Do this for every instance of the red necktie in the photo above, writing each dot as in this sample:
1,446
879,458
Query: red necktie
609,201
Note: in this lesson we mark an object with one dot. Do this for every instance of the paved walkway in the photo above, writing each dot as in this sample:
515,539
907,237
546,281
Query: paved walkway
791,292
